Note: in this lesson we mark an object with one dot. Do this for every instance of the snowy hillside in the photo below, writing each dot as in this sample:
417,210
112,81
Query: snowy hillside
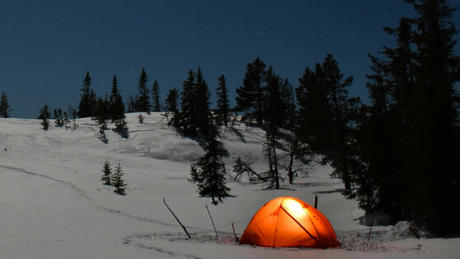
53,204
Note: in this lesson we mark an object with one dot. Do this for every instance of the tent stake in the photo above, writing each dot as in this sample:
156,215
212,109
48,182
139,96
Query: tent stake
316,201
180,223
212,221
234,234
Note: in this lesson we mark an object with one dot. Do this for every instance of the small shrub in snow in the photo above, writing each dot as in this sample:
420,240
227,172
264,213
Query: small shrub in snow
140,118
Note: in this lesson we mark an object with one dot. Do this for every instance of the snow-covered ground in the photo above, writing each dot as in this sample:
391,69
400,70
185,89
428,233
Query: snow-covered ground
53,204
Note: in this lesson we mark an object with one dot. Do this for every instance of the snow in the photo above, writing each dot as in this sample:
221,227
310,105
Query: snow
53,204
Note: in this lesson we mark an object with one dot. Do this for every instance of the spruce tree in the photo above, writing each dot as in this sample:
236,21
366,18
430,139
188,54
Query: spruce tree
106,173
117,180
288,108
203,118
250,95
171,100
143,101
171,107
44,116
209,172
102,112
4,106
92,103
85,106
188,117
432,142
117,109
223,109
382,130
58,118
156,97
412,123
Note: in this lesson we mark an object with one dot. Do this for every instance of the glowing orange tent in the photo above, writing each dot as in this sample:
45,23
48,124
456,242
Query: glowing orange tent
289,222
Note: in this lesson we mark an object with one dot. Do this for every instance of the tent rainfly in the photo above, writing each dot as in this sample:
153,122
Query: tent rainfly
289,222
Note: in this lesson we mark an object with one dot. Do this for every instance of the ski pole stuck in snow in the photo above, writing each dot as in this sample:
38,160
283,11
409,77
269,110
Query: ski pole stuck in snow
180,223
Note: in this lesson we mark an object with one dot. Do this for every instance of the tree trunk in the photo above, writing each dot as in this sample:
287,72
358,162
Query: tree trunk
275,162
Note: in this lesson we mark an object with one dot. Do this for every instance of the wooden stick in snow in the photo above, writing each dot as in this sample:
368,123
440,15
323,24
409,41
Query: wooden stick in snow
234,234
369,236
316,201
212,221
180,223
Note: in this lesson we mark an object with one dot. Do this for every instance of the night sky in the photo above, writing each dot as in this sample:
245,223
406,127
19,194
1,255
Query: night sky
46,47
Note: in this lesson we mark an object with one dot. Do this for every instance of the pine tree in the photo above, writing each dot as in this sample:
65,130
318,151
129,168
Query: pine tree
106,173
85,107
143,102
44,116
343,113
273,117
156,97
326,115
223,108
250,95
4,106
117,180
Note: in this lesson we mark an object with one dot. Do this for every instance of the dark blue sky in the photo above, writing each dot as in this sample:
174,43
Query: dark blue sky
46,47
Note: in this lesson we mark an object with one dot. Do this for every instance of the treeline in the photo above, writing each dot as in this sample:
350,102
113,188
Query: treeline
399,155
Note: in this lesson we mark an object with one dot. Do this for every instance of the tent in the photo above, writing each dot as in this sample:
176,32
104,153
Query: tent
289,222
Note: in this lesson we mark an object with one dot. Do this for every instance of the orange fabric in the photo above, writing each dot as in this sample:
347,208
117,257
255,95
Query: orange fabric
289,222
